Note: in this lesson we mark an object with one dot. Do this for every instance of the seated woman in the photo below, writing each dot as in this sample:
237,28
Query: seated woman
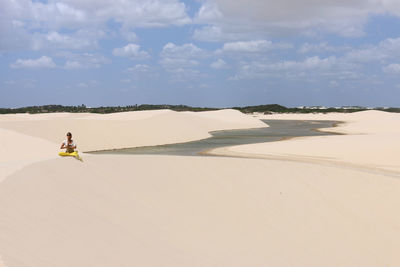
70,147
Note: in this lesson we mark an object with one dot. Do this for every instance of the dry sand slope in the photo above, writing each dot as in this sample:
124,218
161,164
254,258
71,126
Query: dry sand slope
134,210
25,138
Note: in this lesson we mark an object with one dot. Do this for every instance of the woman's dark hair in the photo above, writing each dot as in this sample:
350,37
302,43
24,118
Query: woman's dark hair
69,134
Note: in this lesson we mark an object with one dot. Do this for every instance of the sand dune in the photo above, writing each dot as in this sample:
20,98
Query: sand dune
364,122
26,138
128,129
19,150
371,142
137,210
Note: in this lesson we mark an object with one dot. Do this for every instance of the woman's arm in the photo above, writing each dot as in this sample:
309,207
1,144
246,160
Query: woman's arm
73,146
63,146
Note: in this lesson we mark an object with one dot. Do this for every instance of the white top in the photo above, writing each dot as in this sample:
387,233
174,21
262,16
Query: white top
71,144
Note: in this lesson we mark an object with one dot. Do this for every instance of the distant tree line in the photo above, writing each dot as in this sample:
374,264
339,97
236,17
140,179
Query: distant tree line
103,110
266,109
275,108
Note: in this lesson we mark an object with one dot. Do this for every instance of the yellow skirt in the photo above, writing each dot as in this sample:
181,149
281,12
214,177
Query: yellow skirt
70,154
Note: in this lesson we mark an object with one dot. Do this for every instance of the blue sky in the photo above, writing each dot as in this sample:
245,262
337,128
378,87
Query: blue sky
203,53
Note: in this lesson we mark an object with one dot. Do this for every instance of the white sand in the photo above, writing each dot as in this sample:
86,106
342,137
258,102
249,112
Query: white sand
137,210
371,142
19,150
128,129
25,138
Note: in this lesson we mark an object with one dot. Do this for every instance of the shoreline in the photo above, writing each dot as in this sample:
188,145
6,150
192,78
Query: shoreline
272,132
360,141
226,152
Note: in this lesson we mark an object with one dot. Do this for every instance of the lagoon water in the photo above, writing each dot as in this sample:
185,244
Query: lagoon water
277,130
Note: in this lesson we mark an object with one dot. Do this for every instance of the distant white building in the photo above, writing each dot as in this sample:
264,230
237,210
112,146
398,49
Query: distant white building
317,107
352,107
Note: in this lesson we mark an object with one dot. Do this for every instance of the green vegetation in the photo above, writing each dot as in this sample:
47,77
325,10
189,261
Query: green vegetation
103,110
273,108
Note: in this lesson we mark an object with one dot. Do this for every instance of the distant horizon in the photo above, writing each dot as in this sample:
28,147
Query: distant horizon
205,107
198,106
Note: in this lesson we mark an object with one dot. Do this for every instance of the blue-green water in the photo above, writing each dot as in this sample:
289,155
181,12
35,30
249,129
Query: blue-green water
279,129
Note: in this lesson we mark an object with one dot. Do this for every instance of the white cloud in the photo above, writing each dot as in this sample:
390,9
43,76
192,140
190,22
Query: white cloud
386,50
218,64
209,12
142,71
79,40
42,62
390,45
139,68
13,36
128,34
65,41
172,63
88,13
83,61
132,51
181,60
209,33
255,18
307,64
58,23
331,67
186,55
248,46
255,47
322,48
392,69
38,15
364,55
183,51
136,13
225,32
